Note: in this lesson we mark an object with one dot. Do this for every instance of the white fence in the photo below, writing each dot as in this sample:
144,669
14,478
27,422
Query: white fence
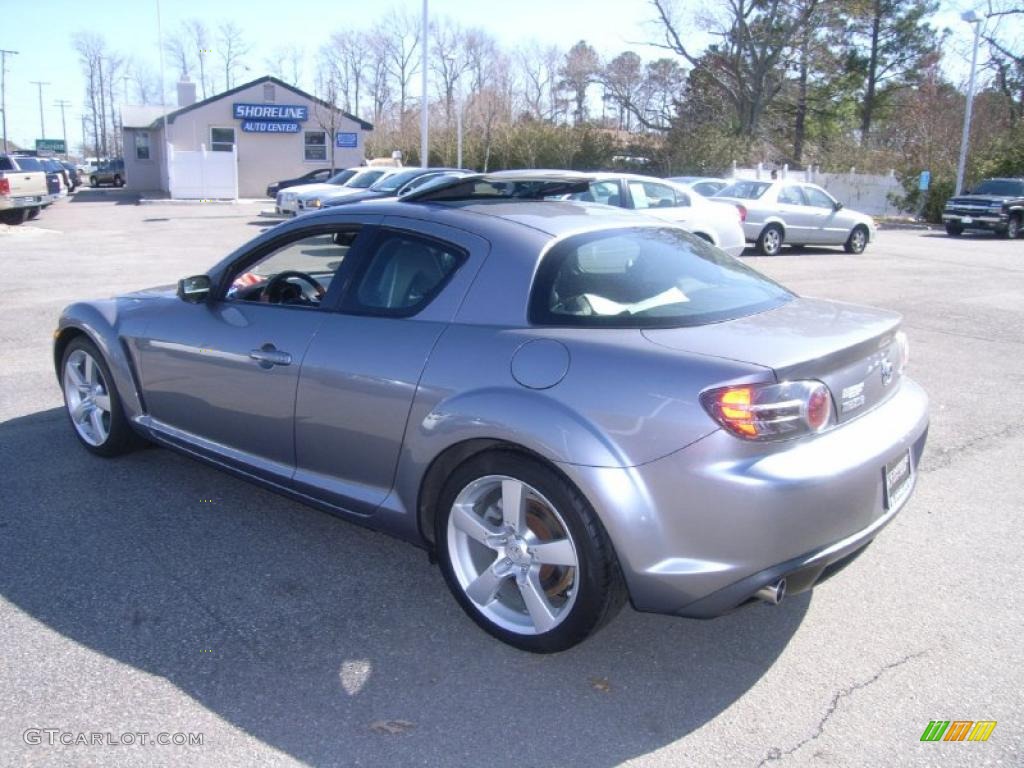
865,192
202,174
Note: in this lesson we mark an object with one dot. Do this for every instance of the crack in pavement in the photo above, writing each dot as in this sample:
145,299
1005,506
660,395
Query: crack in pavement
775,754
945,457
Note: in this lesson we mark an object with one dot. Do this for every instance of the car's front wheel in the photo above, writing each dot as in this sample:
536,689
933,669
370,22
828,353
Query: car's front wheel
769,242
858,240
118,181
525,554
954,230
93,181
1013,227
92,402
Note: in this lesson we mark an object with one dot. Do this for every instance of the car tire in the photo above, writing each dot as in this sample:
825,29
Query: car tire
1013,227
857,241
14,217
542,603
118,181
33,213
93,181
769,243
88,386
954,230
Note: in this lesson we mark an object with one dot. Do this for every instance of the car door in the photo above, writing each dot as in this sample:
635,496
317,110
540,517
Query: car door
799,218
220,377
660,200
362,368
833,225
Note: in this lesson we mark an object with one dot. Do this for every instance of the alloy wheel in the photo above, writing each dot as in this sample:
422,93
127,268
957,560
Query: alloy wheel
88,397
513,555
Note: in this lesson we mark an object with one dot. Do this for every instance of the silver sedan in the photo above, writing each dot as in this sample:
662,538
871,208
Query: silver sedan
567,405
777,212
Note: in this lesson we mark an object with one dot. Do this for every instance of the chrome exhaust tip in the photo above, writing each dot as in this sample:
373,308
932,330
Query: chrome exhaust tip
772,593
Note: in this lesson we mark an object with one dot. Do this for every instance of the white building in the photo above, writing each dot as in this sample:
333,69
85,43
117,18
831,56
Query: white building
236,143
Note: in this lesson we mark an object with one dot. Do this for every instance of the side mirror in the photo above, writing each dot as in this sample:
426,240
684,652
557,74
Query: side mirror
195,289
838,206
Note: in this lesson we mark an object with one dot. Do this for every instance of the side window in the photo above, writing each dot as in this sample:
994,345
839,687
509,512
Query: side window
222,139
298,273
142,145
322,176
6,164
314,146
792,196
402,275
646,194
818,199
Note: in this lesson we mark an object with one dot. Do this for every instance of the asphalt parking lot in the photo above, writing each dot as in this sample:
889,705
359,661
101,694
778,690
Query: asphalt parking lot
154,594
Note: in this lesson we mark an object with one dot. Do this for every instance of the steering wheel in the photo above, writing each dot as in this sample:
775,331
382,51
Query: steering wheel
277,288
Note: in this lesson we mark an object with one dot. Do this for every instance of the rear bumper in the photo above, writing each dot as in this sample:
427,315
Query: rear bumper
27,201
699,531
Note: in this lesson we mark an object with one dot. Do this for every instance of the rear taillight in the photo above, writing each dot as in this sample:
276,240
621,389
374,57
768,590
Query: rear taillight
771,411
5,187
742,212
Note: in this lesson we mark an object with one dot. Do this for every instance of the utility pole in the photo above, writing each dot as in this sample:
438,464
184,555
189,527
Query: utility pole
3,88
42,124
424,117
64,127
85,138
971,18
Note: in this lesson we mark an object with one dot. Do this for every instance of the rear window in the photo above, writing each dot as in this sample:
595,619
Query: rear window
748,190
646,277
28,164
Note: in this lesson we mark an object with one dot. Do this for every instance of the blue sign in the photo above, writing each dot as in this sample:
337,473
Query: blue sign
924,181
269,126
288,112
346,140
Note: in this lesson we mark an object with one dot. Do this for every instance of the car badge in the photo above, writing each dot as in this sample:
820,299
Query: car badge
887,371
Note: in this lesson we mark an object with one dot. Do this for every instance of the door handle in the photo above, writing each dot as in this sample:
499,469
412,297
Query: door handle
268,356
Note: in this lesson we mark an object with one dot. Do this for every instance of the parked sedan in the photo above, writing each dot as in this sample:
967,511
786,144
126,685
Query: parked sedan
318,176
777,212
567,405
404,181
287,199
716,223
705,185
310,197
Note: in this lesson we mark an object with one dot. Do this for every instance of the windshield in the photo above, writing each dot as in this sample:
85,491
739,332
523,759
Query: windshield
646,277
1000,188
748,190
341,177
364,179
396,180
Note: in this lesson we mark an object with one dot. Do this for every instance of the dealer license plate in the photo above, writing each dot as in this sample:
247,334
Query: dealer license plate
898,479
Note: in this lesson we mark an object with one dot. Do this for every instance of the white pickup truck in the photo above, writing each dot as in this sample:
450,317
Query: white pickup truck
23,190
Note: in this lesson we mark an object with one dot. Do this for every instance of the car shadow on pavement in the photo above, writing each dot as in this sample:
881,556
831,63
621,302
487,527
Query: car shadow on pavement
115,195
305,631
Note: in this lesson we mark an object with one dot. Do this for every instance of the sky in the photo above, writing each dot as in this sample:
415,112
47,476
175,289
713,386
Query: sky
46,52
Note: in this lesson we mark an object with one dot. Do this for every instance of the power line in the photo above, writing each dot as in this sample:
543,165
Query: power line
62,103
42,125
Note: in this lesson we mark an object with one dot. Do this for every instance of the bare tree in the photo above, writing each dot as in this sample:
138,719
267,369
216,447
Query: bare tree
538,70
178,48
398,35
91,50
196,34
145,82
579,70
449,61
232,47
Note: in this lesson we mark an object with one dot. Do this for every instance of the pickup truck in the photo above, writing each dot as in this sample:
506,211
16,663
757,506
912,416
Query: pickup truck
996,205
23,190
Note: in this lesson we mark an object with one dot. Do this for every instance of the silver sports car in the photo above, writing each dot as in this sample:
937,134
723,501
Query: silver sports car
566,404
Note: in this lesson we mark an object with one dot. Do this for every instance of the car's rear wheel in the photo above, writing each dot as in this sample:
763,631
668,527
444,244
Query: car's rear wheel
14,217
954,230
1013,227
93,181
118,181
769,242
33,213
857,241
92,402
525,554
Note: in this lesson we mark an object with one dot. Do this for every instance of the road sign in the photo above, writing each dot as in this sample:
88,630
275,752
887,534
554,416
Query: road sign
924,181
50,145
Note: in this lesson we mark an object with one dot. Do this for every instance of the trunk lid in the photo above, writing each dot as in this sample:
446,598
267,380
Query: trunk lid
850,348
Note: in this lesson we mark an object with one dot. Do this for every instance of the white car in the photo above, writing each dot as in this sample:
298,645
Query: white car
705,185
718,224
796,213
311,196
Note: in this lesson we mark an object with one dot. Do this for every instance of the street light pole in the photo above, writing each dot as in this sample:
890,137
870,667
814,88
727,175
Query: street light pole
3,88
424,118
971,18
64,127
42,124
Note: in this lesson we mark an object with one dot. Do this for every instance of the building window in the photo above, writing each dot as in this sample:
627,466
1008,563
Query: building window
142,145
315,147
222,139
268,91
